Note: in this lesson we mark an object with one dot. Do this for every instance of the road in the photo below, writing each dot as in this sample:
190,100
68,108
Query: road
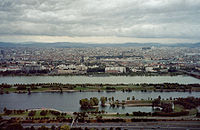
176,125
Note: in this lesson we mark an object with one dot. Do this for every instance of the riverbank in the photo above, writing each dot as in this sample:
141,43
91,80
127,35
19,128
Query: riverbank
53,116
60,88
185,109
99,74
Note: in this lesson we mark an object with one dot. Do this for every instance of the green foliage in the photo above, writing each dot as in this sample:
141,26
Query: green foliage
14,126
65,127
43,113
43,128
96,101
103,101
21,88
188,103
85,103
32,113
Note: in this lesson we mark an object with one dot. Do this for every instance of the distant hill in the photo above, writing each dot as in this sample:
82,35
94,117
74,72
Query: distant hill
86,45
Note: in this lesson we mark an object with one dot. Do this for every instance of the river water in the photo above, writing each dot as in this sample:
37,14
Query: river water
69,102
99,79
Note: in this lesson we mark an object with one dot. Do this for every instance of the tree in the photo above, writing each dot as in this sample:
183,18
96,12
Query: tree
113,99
156,102
43,128
32,113
103,101
92,102
123,103
4,109
166,107
32,128
14,126
96,101
43,113
159,97
29,91
65,127
117,103
85,103
53,127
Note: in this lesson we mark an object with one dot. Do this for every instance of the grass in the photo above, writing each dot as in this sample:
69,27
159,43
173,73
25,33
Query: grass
118,115
178,108
85,88
193,111
16,115
37,115
10,89
112,115
33,90
40,89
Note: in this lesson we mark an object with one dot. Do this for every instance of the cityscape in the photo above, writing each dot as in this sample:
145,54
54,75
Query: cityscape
99,65
100,60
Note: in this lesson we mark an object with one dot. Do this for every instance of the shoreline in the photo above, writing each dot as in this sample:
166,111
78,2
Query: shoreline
97,75
70,88
75,91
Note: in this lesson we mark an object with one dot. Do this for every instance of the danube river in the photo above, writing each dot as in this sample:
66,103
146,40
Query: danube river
99,79
69,101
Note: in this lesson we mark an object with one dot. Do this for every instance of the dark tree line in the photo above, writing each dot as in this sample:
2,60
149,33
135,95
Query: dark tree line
188,103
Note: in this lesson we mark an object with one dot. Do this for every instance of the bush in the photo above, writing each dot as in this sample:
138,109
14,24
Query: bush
142,113
198,114
21,88
14,126
127,114
8,112
188,103
43,113
32,113
56,113
173,114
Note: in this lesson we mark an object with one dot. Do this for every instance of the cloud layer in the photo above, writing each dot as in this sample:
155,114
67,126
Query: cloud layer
179,19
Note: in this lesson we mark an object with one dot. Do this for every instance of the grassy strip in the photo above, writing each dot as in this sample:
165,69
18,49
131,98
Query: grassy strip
104,88
37,115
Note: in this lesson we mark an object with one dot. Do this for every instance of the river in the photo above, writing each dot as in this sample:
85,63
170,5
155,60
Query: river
99,79
69,101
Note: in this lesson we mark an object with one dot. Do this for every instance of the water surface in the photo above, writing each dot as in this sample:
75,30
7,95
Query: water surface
99,79
69,102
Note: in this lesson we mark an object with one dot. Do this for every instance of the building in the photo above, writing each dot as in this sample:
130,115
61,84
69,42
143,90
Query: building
115,69
70,69
149,69
33,67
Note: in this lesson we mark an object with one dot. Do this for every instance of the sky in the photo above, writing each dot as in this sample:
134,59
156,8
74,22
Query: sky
100,21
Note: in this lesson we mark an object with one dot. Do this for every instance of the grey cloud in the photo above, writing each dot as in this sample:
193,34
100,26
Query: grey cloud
122,18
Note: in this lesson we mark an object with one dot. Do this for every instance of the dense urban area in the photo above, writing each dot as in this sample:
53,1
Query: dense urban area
100,60
103,61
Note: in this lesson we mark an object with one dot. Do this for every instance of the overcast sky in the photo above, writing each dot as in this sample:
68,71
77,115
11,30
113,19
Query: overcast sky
100,21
